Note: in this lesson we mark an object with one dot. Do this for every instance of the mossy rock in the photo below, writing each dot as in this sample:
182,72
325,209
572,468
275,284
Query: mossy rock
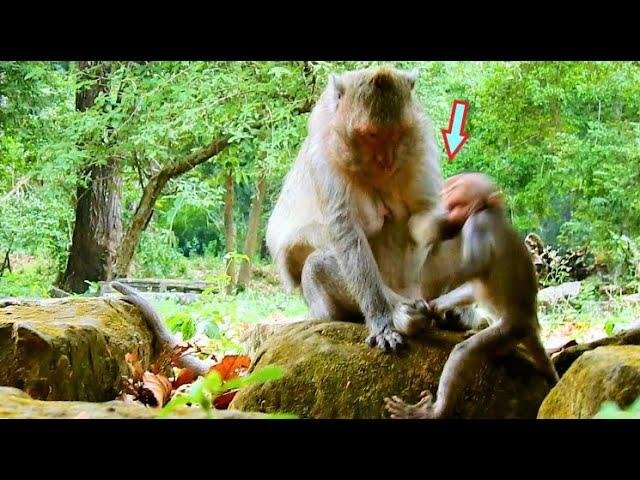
606,373
71,348
15,403
331,373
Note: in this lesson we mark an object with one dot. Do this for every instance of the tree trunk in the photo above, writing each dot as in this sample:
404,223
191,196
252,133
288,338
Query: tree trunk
150,195
230,229
98,228
251,240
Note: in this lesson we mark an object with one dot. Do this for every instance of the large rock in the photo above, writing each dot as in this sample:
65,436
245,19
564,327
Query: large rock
563,291
606,373
15,403
331,373
71,348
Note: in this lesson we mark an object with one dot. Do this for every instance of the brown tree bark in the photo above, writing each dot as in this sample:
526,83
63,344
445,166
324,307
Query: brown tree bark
98,228
230,229
251,240
150,195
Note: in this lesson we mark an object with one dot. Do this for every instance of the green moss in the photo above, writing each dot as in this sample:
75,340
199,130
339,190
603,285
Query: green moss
610,373
331,373
71,349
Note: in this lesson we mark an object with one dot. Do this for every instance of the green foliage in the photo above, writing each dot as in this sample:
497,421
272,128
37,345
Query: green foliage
222,318
562,139
30,280
181,322
609,326
157,256
610,411
206,389
593,310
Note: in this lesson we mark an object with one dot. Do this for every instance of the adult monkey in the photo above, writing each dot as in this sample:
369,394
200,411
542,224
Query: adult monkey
340,228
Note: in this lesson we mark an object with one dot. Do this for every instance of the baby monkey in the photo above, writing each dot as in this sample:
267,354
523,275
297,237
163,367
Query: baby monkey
498,274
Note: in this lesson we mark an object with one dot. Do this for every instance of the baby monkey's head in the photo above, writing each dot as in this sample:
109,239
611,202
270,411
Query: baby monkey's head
464,195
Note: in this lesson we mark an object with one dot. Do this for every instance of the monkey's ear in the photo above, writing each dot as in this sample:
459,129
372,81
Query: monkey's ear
337,84
411,77
496,199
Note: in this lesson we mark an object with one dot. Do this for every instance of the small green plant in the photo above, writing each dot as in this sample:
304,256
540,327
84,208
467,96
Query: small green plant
222,279
207,389
609,326
610,410
558,269
182,322
93,289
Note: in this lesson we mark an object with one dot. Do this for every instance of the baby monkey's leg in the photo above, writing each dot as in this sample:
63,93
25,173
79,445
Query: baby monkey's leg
462,364
541,359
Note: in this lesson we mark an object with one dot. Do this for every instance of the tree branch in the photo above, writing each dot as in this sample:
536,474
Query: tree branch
150,195
195,159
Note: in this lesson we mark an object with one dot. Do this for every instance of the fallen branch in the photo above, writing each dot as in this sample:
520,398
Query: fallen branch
56,292
553,351
565,358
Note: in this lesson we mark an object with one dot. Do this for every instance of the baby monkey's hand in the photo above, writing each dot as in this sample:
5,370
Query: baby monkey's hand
412,317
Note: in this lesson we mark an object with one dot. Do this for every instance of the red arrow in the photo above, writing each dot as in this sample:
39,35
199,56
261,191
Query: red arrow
455,137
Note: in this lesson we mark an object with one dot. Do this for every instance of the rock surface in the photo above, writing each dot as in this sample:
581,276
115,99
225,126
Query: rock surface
331,373
606,373
15,403
70,348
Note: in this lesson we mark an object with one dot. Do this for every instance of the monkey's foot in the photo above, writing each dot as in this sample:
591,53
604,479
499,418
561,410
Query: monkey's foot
386,339
424,409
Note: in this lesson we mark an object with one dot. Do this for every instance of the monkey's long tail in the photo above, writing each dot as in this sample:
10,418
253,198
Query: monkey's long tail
160,330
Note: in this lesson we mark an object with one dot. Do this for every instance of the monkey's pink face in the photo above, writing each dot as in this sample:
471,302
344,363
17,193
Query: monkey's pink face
378,146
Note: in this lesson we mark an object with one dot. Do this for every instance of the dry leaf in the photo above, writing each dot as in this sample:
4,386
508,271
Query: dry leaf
277,317
232,366
180,351
156,389
135,365
222,402
126,398
185,376
170,357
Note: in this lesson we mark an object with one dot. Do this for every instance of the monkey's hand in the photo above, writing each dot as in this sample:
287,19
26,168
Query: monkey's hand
424,409
438,308
384,336
411,317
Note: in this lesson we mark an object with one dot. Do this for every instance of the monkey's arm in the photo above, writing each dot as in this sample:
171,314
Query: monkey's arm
160,330
479,243
356,261
463,295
